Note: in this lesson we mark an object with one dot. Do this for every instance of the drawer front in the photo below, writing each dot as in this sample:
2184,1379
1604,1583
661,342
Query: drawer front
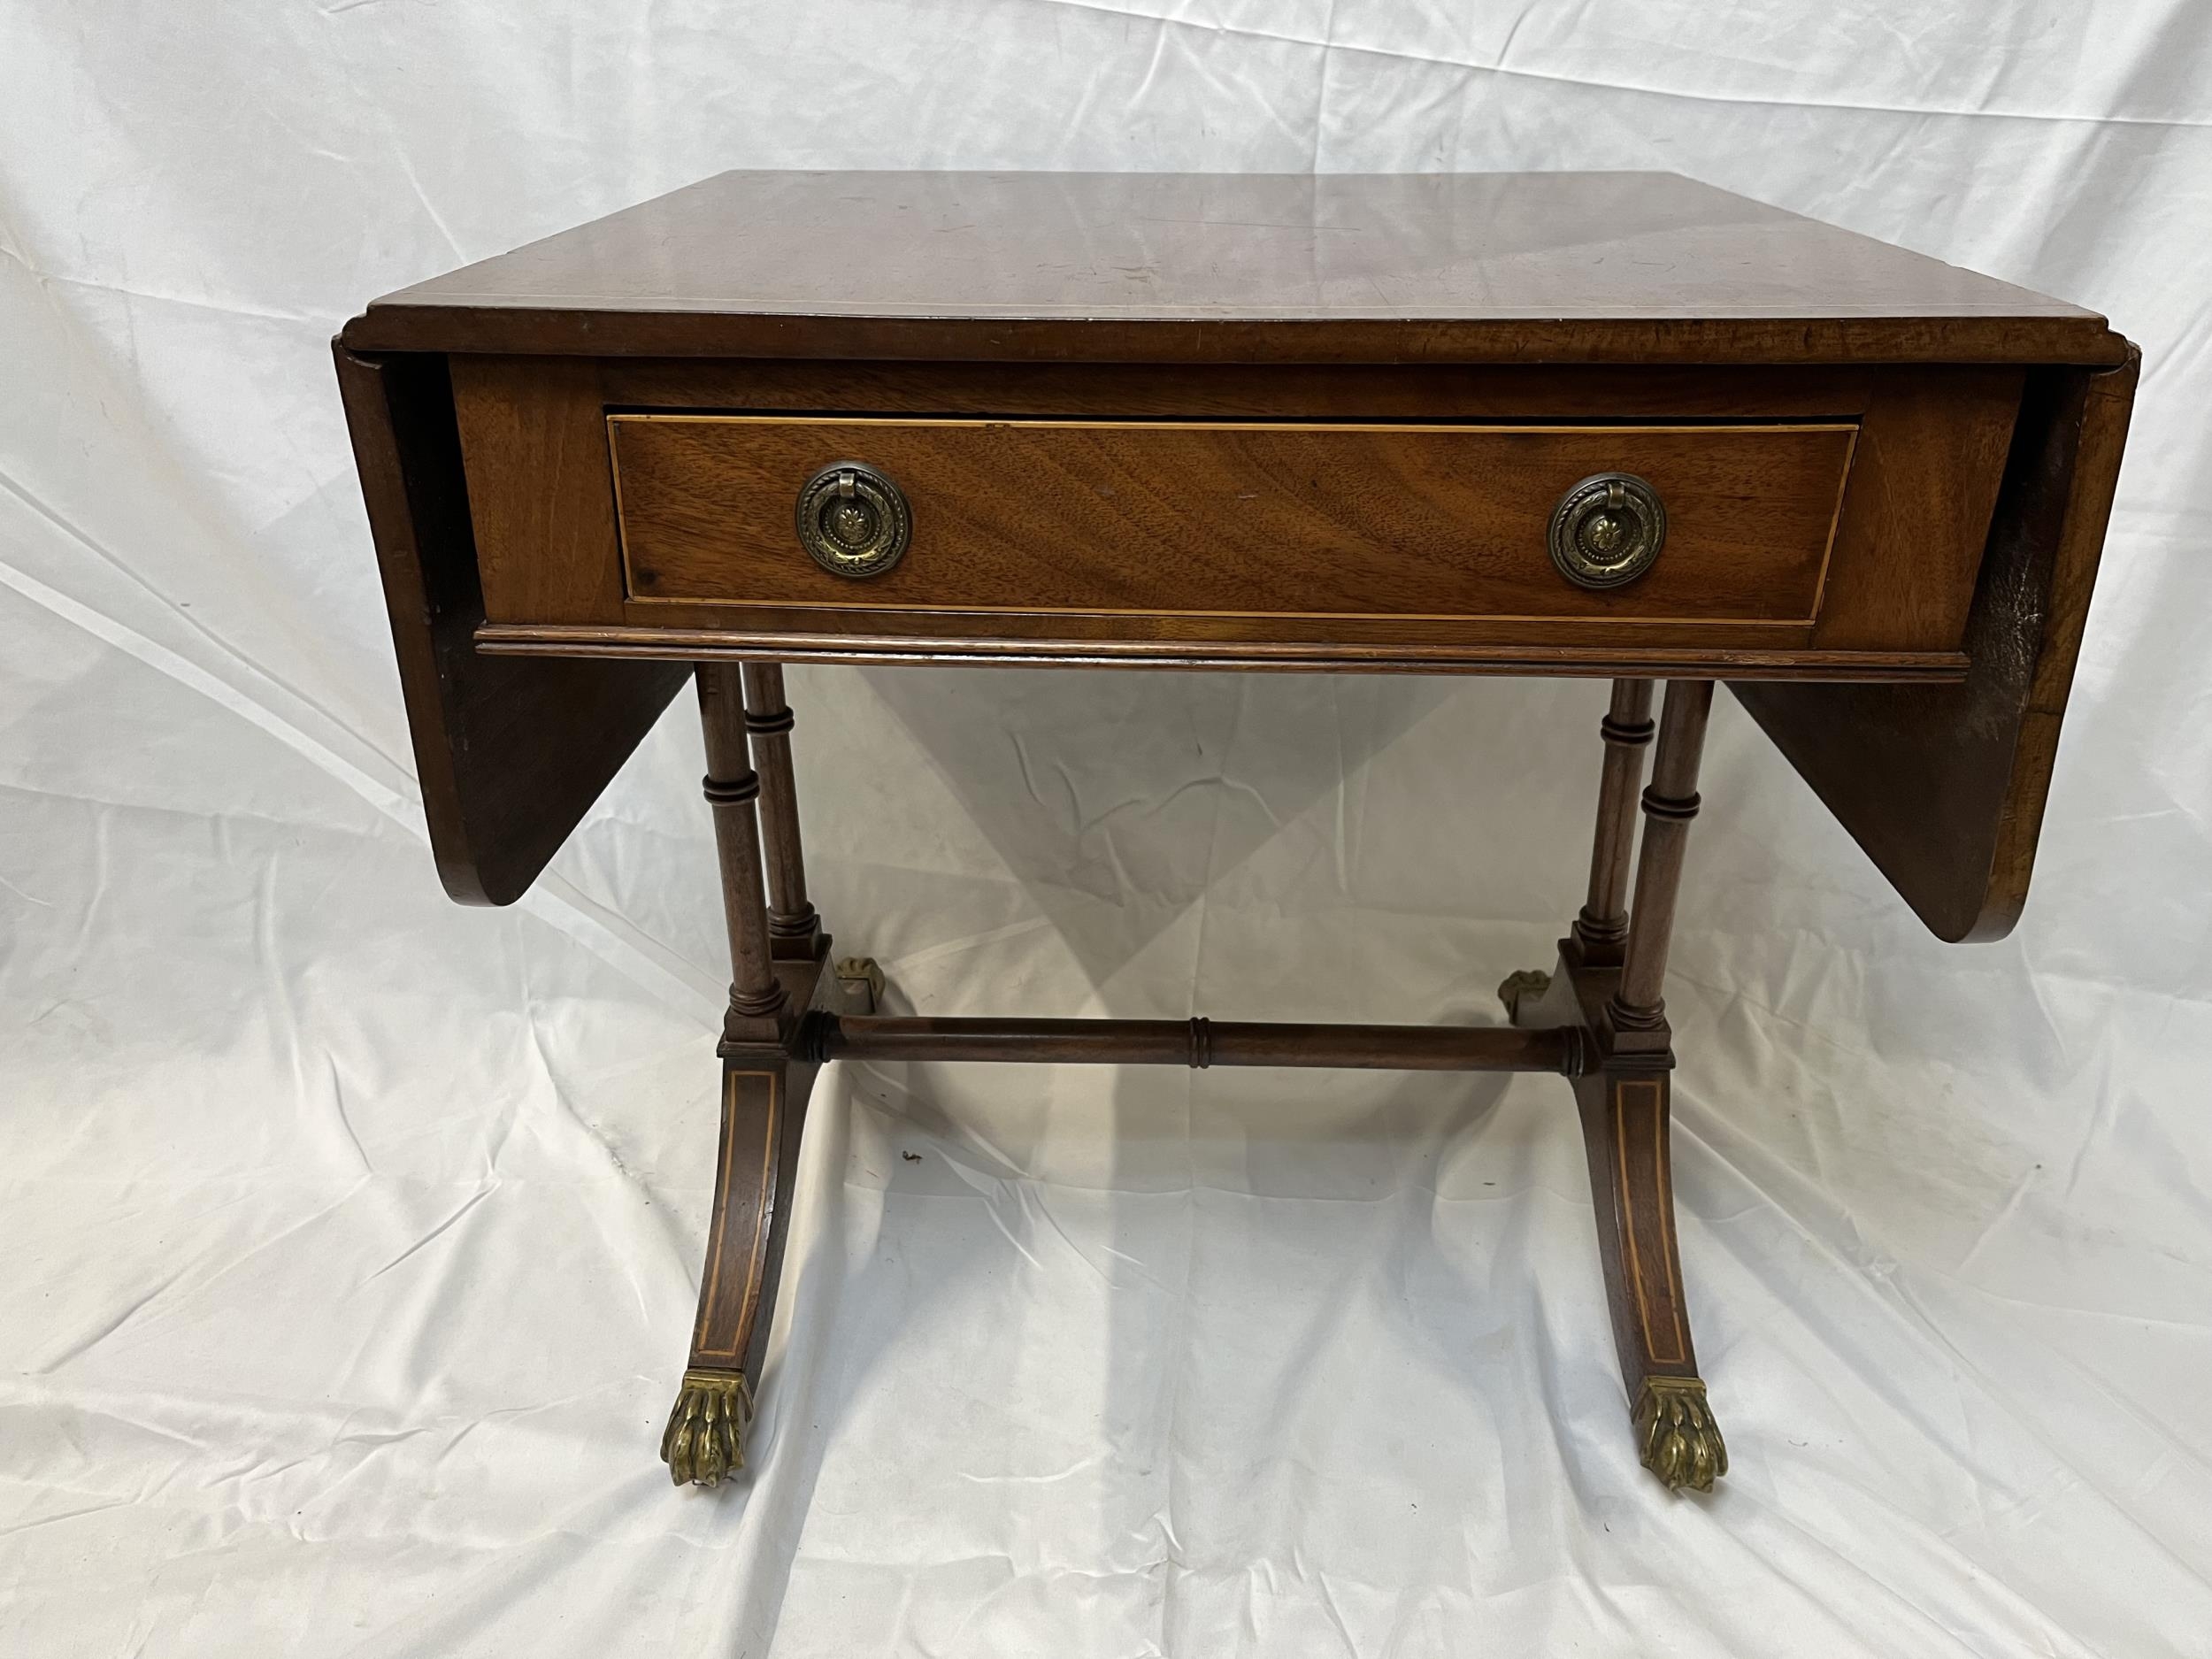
1231,519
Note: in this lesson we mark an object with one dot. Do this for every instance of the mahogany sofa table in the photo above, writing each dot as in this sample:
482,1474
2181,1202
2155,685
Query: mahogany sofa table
1610,424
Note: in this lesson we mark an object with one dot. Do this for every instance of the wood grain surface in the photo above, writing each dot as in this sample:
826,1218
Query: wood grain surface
510,755
1596,299
1254,520
1545,267
1896,595
1945,788
1525,648
764,1096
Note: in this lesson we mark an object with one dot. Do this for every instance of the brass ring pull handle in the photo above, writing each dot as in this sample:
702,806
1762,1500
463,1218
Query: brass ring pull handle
852,520
1608,530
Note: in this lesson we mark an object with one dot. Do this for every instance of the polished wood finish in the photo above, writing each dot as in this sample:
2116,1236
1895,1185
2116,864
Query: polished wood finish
1623,1094
539,491
757,1004
1591,394
793,929
1626,1129
1247,268
1669,804
1923,475
1945,789
461,703
1292,522
1892,604
1908,546
759,1144
1238,423
1197,1043
1019,642
1627,1132
510,755
1602,929
764,1091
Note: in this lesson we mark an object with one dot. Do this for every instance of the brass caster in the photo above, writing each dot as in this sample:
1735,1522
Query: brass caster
705,1438
1529,983
863,982
1675,1434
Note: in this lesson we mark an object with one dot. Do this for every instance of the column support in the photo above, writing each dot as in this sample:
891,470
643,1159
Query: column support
793,929
757,1004
1602,929
1636,1013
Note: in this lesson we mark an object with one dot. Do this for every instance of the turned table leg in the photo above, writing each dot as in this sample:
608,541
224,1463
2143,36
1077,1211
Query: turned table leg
794,930
763,1091
1670,803
733,789
1625,1125
1611,977
1601,928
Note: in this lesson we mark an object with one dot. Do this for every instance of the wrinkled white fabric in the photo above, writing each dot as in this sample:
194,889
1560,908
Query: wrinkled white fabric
350,1236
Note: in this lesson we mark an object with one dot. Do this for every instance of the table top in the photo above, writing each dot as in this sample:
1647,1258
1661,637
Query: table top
965,275
1559,267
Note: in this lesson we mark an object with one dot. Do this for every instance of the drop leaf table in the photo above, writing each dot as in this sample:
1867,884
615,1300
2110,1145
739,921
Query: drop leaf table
1598,424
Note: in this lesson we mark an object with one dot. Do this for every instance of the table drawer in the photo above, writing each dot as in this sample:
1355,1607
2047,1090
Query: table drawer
1425,521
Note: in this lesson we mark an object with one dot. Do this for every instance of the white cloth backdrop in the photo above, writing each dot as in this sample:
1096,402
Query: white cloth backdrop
348,1238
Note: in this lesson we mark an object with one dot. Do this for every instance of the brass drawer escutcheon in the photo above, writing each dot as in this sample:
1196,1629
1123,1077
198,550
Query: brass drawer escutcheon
1608,530
853,520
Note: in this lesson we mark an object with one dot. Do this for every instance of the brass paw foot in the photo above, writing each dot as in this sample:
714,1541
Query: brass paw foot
1676,1433
863,982
1527,983
705,1439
